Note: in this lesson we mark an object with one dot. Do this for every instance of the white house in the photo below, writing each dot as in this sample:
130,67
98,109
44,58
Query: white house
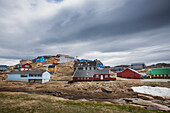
29,76
65,58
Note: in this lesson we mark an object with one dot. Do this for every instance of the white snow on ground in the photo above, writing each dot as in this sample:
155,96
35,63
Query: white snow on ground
155,80
155,91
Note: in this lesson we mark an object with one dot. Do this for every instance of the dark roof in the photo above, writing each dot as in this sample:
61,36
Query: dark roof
4,65
85,64
26,72
51,66
89,73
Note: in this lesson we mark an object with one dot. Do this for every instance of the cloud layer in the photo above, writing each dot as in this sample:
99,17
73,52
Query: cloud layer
114,31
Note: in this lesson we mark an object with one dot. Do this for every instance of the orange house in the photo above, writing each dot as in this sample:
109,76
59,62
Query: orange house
52,68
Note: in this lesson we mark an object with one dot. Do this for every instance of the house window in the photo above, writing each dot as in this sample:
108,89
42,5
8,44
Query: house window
97,76
30,75
39,75
92,68
84,68
87,78
23,75
81,64
88,64
106,76
78,64
88,68
27,66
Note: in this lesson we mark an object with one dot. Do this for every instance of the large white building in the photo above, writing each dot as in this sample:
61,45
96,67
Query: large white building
29,76
65,58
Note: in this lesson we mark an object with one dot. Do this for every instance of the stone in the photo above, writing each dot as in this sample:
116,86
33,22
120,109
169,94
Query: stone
106,90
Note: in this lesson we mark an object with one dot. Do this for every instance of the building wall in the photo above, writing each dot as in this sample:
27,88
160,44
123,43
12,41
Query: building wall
64,59
45,80
130,74
138,66
52,69
25,61
41,59
119,74
96,77
17,77
46,75
3,68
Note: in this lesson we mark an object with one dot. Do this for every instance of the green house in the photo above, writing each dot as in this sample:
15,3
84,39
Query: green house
159,73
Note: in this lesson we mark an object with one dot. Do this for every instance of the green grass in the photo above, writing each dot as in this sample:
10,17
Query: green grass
30,104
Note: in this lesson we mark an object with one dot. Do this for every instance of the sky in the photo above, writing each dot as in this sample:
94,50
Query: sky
113,31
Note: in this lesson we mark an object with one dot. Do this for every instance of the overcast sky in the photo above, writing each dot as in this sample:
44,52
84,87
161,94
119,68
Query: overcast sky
114,31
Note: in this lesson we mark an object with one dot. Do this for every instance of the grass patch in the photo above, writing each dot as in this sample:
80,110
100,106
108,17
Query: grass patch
25,104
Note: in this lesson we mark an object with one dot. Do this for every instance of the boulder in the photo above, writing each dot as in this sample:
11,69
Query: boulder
106,90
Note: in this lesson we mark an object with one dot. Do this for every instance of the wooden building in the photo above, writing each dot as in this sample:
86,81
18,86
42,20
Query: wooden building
52,68
130,73
3,68
23,67
25,61
159,73
29,76
93,75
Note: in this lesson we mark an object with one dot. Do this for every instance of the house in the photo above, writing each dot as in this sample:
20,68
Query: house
23,67
65,58
25,61
159,73
3,68
40,59
93,75
138,66
119,68
52,68
29,76
53,61
88,65
131,73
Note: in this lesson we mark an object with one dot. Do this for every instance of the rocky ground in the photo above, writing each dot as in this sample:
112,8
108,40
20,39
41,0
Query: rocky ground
119,91
114,92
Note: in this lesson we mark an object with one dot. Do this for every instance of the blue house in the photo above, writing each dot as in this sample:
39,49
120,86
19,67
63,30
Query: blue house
29,76
3,68
42,59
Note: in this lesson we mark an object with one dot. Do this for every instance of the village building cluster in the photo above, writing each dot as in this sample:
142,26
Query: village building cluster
83,70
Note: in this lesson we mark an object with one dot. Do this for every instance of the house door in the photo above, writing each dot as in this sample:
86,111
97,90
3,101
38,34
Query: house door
101,77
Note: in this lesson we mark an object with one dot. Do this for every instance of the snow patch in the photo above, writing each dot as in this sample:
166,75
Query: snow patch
155,91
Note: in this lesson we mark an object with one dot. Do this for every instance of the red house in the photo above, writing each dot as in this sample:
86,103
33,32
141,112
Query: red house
92,75
25,67
130,73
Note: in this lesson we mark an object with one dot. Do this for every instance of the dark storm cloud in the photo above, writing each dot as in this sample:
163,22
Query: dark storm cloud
133,17
117,32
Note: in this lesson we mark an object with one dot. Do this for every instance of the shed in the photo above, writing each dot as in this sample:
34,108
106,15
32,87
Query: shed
29,76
